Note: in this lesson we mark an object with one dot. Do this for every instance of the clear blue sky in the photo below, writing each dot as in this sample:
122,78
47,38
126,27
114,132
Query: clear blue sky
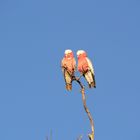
33,99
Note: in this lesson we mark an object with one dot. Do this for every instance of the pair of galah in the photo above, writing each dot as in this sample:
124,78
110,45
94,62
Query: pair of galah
85,67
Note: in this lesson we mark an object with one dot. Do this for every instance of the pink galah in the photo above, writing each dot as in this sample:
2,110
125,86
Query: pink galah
85,67
68,65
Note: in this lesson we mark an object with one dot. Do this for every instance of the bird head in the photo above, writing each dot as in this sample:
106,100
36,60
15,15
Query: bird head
69,54
81,54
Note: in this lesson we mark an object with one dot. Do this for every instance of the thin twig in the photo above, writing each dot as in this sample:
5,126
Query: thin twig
79,138
47,138
51,135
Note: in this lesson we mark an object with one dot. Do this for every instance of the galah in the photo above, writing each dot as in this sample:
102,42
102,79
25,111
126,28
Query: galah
85,67
68,65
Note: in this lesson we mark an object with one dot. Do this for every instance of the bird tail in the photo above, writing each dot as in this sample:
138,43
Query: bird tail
69,87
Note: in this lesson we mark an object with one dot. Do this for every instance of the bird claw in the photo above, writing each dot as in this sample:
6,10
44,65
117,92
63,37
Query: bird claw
82,90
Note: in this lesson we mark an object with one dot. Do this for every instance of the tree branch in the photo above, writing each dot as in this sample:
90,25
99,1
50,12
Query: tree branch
91,135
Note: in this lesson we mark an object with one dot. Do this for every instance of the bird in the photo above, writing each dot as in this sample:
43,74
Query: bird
85,67
68,65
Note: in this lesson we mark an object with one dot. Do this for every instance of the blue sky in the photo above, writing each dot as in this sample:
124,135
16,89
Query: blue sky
33,99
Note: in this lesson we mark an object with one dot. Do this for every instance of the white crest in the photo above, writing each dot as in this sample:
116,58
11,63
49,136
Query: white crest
80,52
68,51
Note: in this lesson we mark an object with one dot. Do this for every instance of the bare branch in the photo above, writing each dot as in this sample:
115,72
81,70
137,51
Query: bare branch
74,78
91,135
